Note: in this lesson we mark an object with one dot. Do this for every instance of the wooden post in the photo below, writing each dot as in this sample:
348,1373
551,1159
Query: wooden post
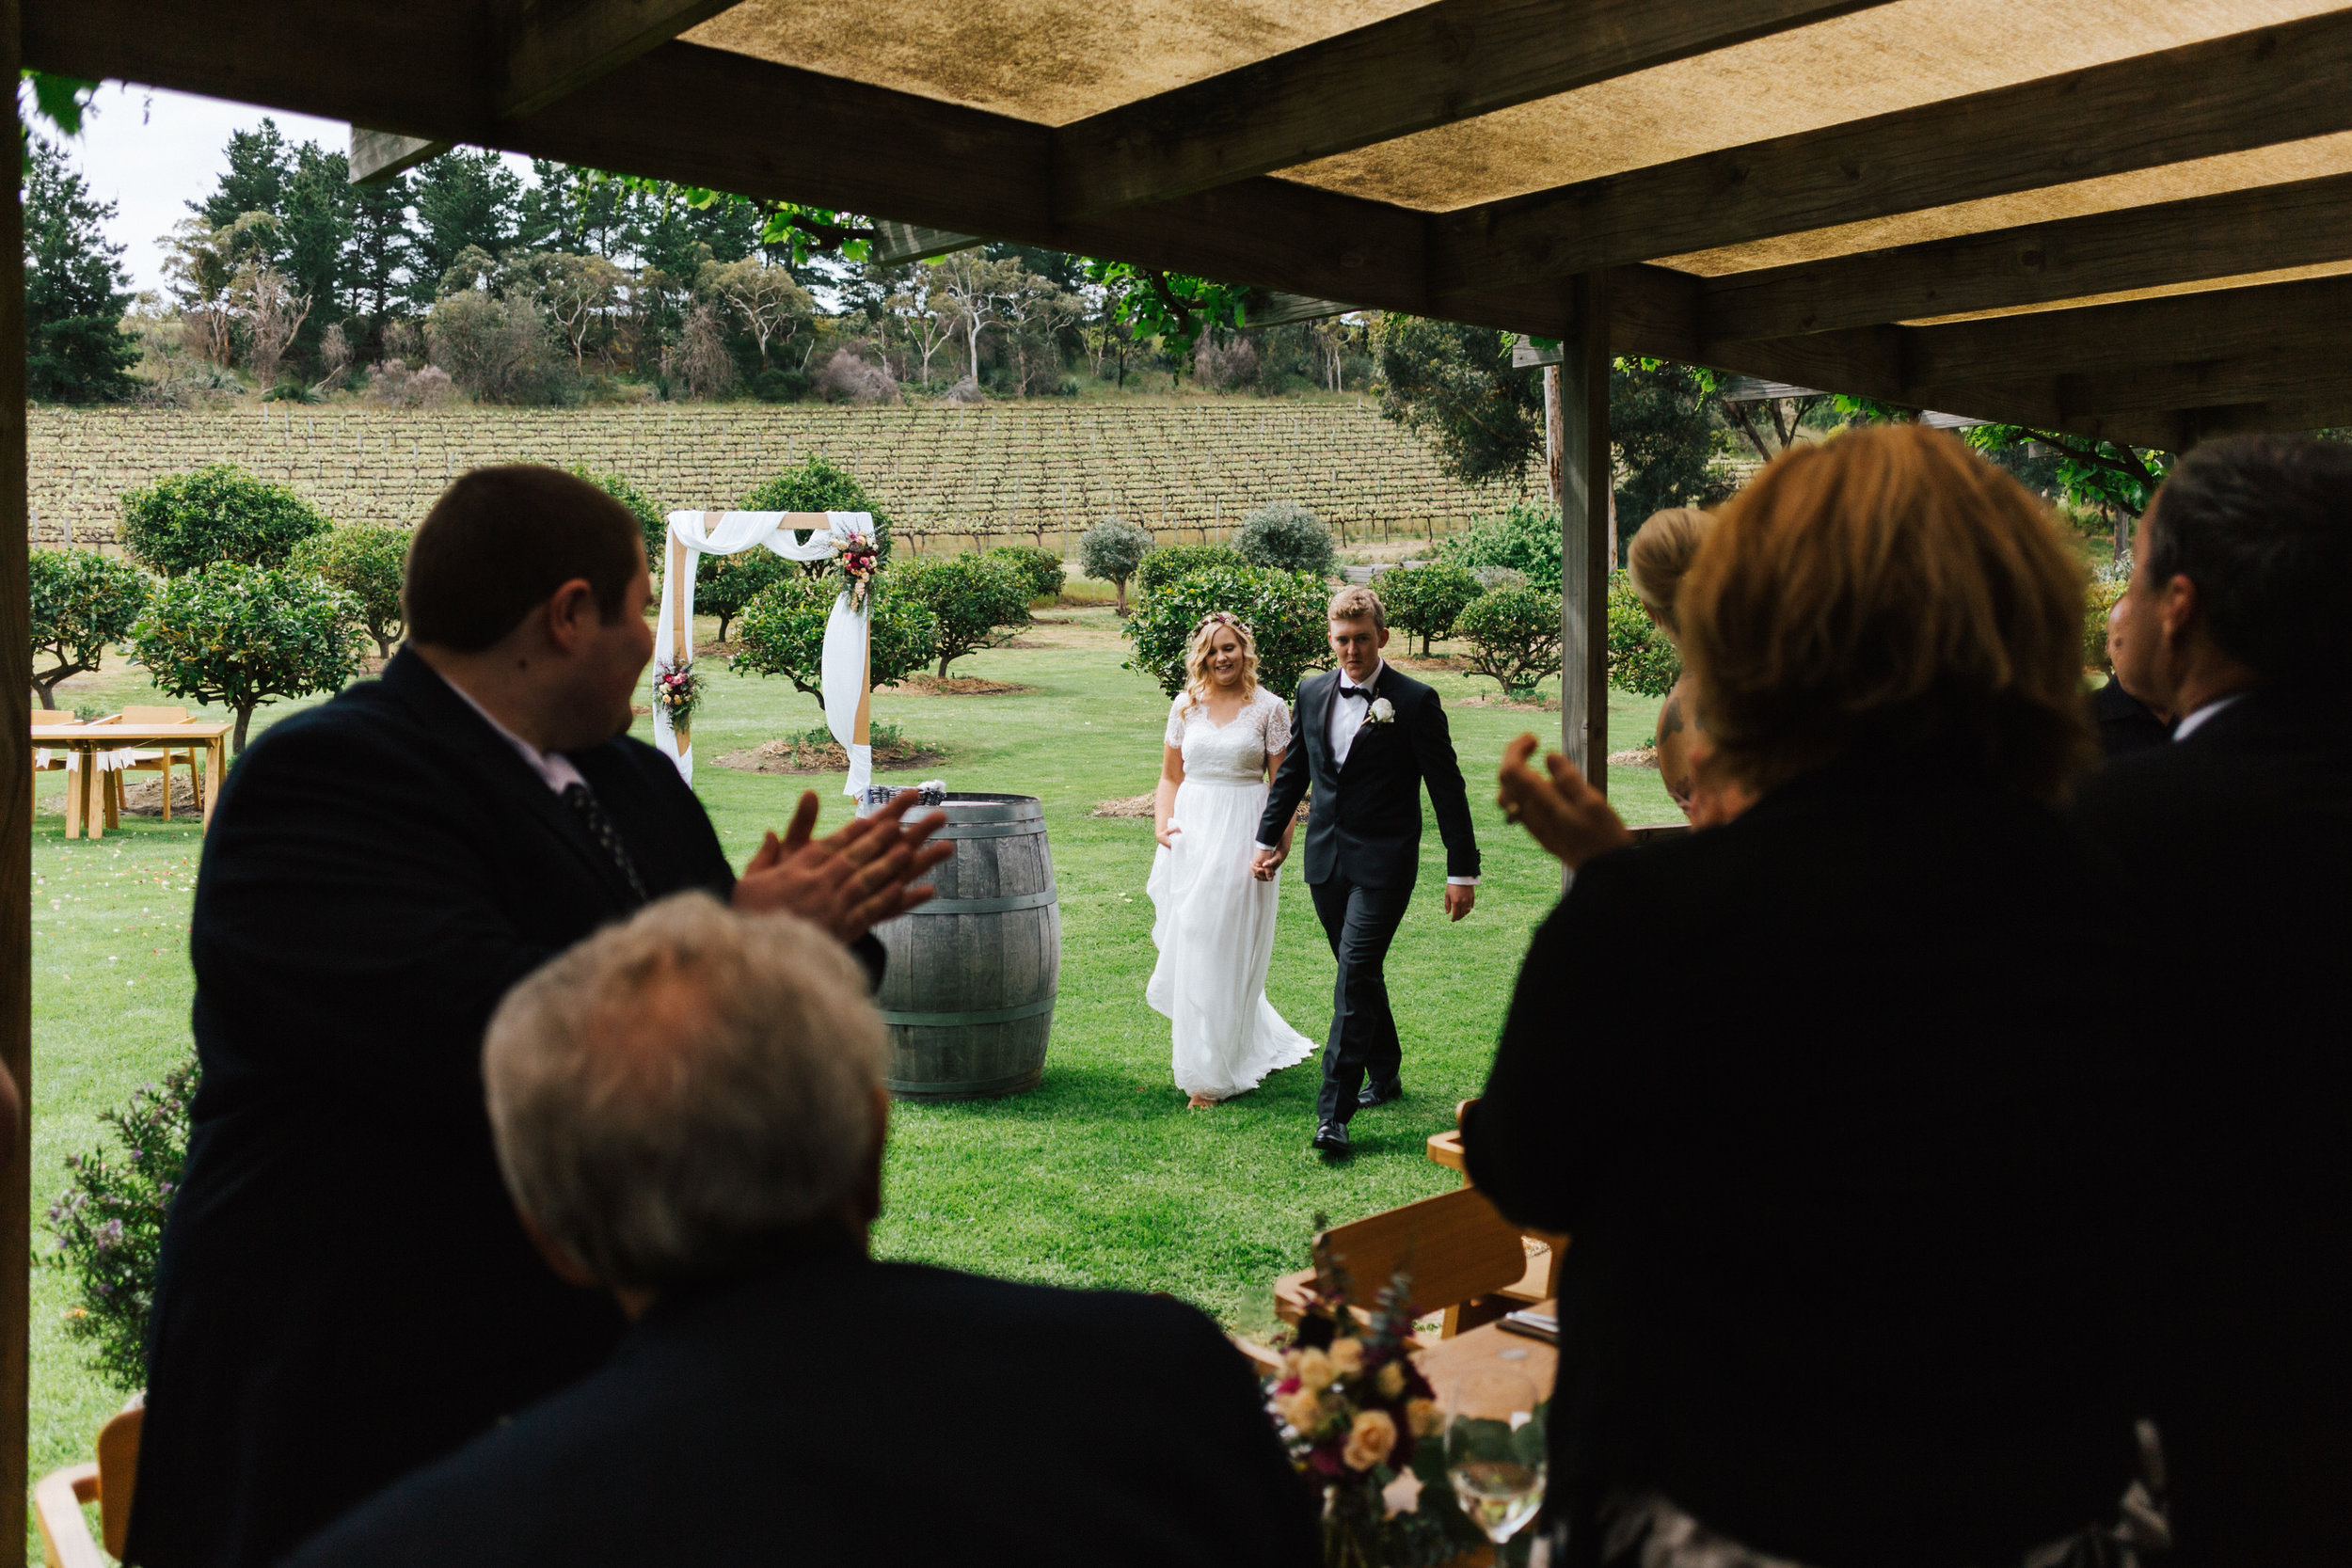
16,850
1582,486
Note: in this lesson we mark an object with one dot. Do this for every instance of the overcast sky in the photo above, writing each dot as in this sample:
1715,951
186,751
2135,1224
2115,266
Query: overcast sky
154,151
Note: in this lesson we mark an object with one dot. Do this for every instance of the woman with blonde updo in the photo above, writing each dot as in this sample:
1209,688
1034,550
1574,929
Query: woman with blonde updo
1663,550
1213,922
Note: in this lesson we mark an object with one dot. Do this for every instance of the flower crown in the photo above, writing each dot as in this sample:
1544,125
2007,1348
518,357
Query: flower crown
1224,618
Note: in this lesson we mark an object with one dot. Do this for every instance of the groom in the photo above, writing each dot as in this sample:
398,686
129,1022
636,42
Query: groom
1369,738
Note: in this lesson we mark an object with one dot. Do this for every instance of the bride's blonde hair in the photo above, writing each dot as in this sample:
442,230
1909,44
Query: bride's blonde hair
1203,641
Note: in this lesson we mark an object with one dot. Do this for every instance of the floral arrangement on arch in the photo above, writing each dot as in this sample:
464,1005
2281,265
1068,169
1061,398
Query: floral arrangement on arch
678,687
855,559
1361,1423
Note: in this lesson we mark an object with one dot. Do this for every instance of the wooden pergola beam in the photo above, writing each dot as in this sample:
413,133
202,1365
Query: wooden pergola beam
2224,95
1427,67
2303,223
378,155
553,50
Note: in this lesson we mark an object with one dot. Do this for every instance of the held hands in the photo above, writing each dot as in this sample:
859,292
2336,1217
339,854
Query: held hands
849,881
1269,862
1566,815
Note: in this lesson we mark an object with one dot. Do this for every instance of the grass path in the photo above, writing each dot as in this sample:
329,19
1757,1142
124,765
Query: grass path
1100,1177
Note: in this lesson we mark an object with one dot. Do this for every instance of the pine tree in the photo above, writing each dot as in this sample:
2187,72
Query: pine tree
463,198
74,350
381,246
259,166
317,233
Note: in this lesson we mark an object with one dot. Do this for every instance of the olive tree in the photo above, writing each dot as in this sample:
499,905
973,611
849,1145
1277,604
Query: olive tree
185,522
1110,552
782,633
979,601
369,562
242,636
82,601
1287,537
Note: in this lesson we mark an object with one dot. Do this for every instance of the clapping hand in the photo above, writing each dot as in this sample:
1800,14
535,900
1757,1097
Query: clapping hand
1566,815
850,879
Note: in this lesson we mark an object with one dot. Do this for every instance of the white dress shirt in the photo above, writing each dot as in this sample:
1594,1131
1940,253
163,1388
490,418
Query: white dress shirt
555,768
2187,726
1347,716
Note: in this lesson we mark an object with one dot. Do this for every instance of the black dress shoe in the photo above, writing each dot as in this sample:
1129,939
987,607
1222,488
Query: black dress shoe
1330,1140
1376,1093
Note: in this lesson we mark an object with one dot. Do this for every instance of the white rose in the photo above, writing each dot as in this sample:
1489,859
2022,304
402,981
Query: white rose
1383,711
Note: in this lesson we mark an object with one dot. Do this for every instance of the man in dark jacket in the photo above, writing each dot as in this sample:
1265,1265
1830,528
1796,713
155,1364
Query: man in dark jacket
344,1292
1368,737
2230,849
689,1109
2125,723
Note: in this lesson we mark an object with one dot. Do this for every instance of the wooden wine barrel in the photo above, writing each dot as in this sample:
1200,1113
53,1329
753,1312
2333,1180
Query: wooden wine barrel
969,993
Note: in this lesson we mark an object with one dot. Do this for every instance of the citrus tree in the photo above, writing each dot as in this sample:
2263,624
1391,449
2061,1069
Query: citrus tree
242,636
1042,569
1110,552
367,561
979,601
782,633
1423,601
1284,611
1164,566
1513,635
82,601
185,522
814,484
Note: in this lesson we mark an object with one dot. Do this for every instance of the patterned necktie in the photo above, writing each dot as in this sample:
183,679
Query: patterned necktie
580,798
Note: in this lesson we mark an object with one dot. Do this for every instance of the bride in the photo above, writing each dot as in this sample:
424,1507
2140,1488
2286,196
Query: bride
1213,922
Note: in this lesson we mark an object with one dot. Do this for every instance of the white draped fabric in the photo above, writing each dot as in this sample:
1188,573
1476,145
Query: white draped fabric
843,675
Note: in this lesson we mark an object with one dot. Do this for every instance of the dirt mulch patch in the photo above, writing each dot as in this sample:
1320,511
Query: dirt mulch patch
1146,807
1494,699
788,755
955,686
146,798
1439,663
1640,757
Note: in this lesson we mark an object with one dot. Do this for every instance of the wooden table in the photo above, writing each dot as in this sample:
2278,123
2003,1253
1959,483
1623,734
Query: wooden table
85,801
1491,1347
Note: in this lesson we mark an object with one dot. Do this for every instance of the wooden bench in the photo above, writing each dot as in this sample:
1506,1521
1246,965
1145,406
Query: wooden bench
1458,1251
1545,1250
64,1539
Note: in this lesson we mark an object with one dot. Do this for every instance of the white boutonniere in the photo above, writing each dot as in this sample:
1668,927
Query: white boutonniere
1382,712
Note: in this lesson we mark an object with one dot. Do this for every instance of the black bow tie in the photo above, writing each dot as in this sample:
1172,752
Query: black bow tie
1347,690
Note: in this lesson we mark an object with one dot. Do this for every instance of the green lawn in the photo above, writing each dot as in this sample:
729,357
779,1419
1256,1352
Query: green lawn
1099,1177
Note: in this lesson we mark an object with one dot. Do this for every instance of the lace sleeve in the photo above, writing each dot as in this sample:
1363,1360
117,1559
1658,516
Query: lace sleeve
1175,736
1278,723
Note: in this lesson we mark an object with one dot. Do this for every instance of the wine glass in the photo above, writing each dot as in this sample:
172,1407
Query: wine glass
1494,1450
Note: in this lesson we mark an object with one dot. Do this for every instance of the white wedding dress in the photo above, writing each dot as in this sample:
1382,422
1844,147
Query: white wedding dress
1213,922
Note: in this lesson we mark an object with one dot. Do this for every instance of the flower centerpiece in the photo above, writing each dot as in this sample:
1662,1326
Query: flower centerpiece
856,558
1360,1422
678,687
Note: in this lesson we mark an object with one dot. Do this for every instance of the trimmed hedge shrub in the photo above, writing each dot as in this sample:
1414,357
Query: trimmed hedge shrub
1284,611
1286,537
1513,635
1164,566
1110,552
369,562
782,633
1425,601
242,636
978,599
185,522
82,601
1640,656
1040,570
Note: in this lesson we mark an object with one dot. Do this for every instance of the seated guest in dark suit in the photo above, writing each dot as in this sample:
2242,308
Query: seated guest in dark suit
345,1293
2125,723
2231,849
688,1110
1837,1294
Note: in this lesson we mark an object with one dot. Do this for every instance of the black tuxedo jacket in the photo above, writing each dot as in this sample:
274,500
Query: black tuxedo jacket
2230,854
1822,1097
1365,822
344,1292
2125,722
842,1410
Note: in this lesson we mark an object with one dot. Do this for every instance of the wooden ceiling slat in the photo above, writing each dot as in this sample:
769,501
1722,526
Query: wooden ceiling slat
2299,224
2212,383
2248,90
1430,66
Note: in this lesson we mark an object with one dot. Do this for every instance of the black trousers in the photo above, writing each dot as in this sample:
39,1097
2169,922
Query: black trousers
1360,923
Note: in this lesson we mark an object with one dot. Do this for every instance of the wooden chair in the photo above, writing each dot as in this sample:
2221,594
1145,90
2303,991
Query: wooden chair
1545,1249
43,716
57,1500
1458,1250
160,762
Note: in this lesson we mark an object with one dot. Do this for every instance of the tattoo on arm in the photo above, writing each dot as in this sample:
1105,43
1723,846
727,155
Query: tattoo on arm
1670,716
